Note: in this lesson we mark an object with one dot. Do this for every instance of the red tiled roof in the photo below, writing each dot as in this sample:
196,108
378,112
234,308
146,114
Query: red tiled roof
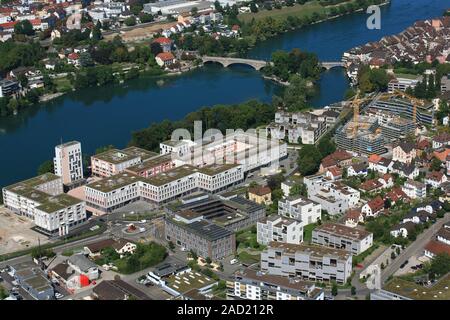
165,56
260,190
435,175
396,194
374,158
370,185
442,156
353,214
437,247
162,40
376,204
8,25
73,56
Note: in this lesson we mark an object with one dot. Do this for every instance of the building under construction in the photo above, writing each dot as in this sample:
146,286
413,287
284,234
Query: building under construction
404,108
368,139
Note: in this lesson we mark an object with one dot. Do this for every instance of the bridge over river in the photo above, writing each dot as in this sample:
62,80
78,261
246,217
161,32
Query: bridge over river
259,64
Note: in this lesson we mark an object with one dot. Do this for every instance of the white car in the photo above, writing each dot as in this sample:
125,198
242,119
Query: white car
58,295
234,261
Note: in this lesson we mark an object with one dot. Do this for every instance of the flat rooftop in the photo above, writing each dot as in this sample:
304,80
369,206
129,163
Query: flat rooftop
116,156
28,188
171,175
342,231
59,202
312,250
150,163
189,281
114,182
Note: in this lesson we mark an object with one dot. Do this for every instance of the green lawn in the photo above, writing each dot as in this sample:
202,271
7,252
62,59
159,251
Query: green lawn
62,84
411,290
248,258
296,10
307,232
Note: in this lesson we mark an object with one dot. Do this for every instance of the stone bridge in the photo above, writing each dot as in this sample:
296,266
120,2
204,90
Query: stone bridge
259,64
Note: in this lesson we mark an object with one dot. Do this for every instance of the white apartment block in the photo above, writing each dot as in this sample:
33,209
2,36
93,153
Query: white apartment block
68,162
402,83
115,161
301,209
118,190
307,262
339,236
415,189
255,285
181,148
42,200
334,196
279,229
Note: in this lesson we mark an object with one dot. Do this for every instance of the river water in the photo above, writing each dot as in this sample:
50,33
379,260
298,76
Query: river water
108,115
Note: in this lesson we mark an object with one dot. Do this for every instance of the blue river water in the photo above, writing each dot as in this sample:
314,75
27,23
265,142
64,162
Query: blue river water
108,115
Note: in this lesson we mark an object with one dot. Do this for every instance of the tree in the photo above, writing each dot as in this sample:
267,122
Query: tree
353,290
46,167
145,17
97,32
435,164
24,27
130,21
299,189
334,289
208,260
253,7
440,265
326,146
309,160
194,11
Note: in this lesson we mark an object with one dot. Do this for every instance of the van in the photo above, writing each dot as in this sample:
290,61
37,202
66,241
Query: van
234,261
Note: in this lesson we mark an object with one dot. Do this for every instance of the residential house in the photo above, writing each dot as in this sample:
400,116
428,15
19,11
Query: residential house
372,185
404,170
435,179
73,58
380,164
396,195
165,59
260,195
415,189
359,169
404,152
373,207
279,229
441,140
83,265
403,230
353,217
340,158
165,43
334,173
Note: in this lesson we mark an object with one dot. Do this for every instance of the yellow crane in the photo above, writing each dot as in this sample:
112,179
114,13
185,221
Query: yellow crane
414,101
356,103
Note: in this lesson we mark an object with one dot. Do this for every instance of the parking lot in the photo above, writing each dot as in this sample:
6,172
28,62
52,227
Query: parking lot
15,232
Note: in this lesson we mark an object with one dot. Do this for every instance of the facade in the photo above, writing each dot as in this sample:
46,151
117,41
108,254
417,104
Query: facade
165,59
9,88
403,82
203,237
152,166
425,114
338,236
301,209
83,266
279,229
31,278
307,262
260,195
42,200
254,285
68,162
414,189
404,152
334,196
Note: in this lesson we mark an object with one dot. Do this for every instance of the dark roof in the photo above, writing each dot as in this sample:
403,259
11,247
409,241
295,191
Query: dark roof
63,270
165,269
100,245
117,290
409,226
406,146
209,230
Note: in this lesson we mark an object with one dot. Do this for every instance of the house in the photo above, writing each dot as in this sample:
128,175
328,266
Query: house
403,230
405,170
419,215
359,169
395,195
371,186
340,158
435,179
442,154
117,290
353,217
334,173
121,246
414,189
422,147
165,43
434,247
73,58
404,152
165,59
373,207
443,234
260,195
67,277
386,180
83,265
441,140
124,247
380,164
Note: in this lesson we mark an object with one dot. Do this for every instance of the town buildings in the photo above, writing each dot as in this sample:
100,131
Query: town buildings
68,162
339,236
307,262
255,285
415,189
278,229
260,195
301,209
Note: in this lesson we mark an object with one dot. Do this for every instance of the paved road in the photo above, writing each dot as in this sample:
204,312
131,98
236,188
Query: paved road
414,248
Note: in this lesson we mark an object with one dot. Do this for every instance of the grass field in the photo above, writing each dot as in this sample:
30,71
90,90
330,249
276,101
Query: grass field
62,84
297,10
307,232
439,291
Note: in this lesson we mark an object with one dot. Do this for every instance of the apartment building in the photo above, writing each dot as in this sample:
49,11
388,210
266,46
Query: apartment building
339,236
402,82
68,162
255,285
301,209
279,229
334,196
203,237
425,114
415,189
404,152
308,262
181,147
9,88
42,200
152,166
115,161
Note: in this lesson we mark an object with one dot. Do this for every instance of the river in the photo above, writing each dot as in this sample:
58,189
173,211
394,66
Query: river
108,115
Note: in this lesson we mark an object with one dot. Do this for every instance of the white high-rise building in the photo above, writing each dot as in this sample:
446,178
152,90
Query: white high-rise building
68,162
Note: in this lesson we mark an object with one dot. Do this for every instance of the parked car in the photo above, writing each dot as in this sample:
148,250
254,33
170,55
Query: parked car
58,295
234,261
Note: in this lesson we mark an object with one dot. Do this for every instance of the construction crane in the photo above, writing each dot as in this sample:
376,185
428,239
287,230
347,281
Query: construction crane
356,103
414,101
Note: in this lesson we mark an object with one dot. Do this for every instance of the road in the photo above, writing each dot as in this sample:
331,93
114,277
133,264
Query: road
415,247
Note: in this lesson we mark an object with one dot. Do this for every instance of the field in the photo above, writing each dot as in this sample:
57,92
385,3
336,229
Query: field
439,291
62,84
307,232
297,10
